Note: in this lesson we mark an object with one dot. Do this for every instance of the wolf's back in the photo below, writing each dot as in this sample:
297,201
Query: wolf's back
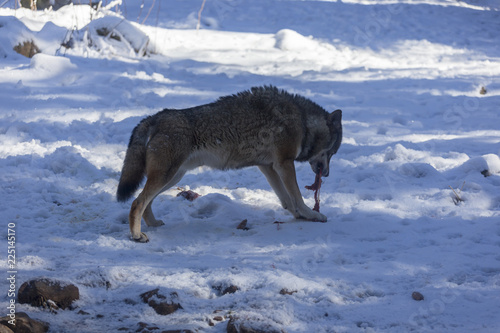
134,166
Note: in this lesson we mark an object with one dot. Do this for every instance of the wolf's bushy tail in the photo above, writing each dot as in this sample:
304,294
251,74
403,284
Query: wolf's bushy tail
134,166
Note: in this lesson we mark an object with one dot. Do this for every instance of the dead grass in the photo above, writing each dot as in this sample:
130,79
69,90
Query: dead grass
27,49
457,199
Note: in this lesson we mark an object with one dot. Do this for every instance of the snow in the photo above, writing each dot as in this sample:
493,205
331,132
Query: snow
417,133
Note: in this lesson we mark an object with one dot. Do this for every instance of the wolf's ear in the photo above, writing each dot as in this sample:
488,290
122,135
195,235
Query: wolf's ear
335,118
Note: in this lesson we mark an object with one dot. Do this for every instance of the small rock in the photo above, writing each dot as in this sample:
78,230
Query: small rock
152,293
486,173
23,324
164,308
285,291
153,299
243,225
417,296
230,290
48,293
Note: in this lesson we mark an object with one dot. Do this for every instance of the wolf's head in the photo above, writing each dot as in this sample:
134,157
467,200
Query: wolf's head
320,163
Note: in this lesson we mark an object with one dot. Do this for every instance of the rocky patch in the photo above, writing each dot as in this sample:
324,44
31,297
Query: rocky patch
23,324
160,303
237,325
48,293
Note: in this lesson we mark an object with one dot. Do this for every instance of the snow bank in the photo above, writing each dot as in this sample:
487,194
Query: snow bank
113,34
13,32
52,64
289,40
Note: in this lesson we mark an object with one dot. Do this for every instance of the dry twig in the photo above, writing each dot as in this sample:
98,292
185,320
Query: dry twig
199,15
457,199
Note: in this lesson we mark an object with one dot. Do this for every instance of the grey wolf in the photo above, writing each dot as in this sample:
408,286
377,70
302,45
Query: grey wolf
264,127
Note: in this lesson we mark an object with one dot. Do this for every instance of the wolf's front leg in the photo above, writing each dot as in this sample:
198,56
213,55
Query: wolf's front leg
277,185
286,172
312,215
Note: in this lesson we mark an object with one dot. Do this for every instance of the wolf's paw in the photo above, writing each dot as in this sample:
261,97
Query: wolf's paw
143,238
314,216
319,217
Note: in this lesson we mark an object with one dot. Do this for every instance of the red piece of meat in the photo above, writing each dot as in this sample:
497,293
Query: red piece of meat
315,187
189,195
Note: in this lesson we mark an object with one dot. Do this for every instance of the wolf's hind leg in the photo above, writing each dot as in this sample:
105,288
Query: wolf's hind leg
139,206
148,215
157,181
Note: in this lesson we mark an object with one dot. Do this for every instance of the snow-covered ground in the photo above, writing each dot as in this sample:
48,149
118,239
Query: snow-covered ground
417,133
